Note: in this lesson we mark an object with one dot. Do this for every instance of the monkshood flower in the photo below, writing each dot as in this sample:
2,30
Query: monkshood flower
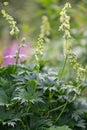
11,50
42,39
65,27
45,29
65,21
12,23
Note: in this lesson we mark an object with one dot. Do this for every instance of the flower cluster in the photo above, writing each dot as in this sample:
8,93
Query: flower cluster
14,29
39,51
45,32
65,27
76,66
45,28
40,47
65,21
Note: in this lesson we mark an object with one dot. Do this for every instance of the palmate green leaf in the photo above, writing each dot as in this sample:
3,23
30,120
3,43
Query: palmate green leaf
6,91
39,123
6,72
9,116
81,124
6,85
59,128
79,112
27,94
80,108
48,82
25,77
4,100
68,92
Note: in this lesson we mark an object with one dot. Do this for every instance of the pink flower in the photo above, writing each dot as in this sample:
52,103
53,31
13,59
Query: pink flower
10,53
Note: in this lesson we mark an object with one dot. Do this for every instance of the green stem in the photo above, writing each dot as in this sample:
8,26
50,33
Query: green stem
61,111
17,55
57,108
66,48
61,73
18,52
23,125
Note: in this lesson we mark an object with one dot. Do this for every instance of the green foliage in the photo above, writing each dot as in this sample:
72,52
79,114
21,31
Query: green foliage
32,99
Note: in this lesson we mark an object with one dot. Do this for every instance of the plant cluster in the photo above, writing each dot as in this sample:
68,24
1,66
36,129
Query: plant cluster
37,101
32,98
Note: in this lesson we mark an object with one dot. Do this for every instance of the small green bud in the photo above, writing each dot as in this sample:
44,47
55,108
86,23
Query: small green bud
12,32
5,3
23,39
3,12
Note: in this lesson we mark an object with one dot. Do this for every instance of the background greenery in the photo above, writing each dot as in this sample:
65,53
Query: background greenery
28,16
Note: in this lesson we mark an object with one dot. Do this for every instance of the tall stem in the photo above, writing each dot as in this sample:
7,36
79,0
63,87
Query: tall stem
65,61
17,55
61,73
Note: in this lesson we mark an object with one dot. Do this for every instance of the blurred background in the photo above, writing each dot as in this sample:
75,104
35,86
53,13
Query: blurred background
28,14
